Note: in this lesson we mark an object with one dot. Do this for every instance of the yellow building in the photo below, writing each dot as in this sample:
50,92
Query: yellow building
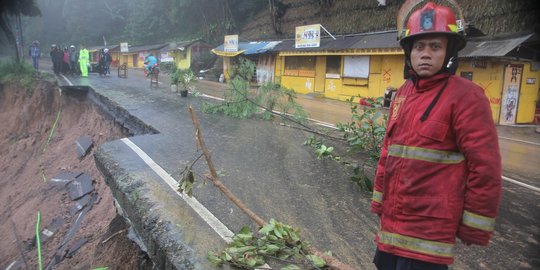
134,58
256,51
352,65
187,54
504,66
368,64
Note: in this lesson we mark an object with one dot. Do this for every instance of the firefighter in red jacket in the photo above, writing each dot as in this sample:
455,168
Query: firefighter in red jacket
439,175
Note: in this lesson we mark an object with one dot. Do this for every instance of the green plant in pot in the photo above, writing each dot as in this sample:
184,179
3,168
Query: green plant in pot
186,81
174,79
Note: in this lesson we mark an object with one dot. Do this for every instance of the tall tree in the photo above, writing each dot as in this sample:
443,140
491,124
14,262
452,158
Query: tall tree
12,10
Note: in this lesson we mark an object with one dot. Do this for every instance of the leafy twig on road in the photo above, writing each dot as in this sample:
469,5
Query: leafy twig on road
213,177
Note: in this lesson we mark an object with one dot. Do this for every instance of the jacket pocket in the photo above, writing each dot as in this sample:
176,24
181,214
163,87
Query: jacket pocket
434,130
425,206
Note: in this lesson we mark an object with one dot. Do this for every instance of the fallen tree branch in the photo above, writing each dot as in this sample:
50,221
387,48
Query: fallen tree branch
213,177
113,235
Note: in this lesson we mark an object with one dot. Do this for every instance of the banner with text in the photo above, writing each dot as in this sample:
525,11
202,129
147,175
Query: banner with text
231,43
308,36
124,47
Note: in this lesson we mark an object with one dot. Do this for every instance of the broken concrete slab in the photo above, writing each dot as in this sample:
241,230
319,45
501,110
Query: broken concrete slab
80,204
81,186
64,177
76,246
51,229
83,144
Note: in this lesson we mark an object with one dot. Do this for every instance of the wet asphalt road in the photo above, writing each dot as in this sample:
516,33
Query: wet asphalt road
267,166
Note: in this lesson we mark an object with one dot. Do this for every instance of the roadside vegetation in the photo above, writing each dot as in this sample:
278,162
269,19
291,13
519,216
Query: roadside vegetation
20,73
241,103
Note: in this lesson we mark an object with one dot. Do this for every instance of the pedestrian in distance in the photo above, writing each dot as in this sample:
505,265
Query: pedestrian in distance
439,174
84,58
107,59
101,62
35,54
73,60
65,61
56,58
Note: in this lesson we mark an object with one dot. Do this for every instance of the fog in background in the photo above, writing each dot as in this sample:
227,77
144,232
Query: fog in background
66,22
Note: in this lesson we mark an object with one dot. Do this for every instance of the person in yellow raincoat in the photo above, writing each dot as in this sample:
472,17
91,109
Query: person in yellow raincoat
84,58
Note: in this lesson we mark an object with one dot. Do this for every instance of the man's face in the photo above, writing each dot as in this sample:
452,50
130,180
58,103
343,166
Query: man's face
428,53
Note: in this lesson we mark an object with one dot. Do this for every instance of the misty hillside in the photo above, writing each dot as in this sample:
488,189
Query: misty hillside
357,16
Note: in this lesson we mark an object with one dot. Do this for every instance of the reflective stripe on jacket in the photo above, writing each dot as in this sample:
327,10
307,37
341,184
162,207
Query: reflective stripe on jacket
440,178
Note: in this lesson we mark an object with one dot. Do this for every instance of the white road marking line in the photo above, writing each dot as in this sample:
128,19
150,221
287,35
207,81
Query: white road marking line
521,141
204,213
67,80
212,97
325,124
521,184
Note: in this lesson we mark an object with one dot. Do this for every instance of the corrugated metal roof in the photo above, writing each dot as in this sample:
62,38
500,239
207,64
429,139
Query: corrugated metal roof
97,48
359,41
255,47
181,44
492,46
142,48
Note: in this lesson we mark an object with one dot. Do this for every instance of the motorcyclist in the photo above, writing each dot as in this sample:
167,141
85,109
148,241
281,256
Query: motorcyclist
150,61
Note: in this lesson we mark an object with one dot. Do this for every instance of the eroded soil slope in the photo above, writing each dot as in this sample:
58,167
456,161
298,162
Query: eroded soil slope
30,156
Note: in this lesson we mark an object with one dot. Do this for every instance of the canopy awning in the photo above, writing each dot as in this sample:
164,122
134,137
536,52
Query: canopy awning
247,48
493,46
218,52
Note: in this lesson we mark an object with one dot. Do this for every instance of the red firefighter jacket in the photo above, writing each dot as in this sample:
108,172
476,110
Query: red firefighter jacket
441,177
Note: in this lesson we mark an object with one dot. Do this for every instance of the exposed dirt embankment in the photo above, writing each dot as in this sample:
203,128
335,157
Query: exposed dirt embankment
30,155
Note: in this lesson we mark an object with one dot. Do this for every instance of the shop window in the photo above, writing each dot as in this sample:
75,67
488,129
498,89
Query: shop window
356,67
303,66
333,67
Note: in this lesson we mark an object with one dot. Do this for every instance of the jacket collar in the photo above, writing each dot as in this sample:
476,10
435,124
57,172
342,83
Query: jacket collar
429,83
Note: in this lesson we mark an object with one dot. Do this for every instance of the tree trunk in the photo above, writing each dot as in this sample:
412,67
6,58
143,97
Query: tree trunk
10,36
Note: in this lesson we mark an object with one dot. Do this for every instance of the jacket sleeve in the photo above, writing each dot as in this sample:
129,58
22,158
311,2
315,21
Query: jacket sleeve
376,200
378,185
478,141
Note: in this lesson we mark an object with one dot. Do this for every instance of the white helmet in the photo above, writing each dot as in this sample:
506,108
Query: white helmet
106,50
72,46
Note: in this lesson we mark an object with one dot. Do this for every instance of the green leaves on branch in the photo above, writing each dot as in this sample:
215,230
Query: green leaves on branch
185,184
240,102
367,128
276,241
364,134
322,151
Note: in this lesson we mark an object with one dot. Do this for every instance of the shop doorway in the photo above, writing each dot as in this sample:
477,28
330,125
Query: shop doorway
510,94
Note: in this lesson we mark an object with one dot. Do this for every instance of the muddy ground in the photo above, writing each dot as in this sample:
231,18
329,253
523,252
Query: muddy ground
30,157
